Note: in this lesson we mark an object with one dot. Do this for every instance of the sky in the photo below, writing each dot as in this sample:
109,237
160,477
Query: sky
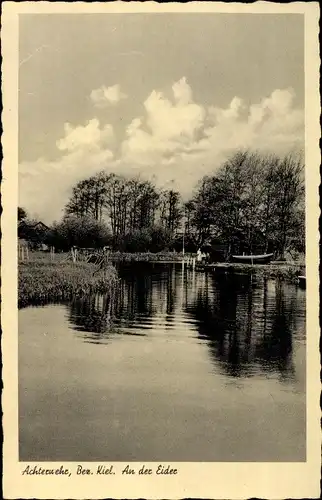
167,97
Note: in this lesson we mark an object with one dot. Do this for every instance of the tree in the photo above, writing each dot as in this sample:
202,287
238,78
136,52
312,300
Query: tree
201,213
128,204
138,240
22,214
83,232
170,210
161,239
253,203
289,194
88,197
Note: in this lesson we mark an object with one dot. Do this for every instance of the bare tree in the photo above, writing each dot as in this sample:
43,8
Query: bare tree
253,201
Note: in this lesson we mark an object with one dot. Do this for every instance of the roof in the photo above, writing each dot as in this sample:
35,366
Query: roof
34,225
31,230
41,224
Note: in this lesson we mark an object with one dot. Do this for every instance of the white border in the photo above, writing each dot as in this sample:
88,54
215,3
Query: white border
195,480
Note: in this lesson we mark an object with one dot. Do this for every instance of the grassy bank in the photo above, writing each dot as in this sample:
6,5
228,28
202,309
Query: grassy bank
37,256
283,271
44,281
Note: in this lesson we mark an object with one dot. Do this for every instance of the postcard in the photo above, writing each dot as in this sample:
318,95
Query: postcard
160,265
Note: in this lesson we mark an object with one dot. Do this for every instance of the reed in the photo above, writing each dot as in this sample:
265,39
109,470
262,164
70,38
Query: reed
40,282
146,257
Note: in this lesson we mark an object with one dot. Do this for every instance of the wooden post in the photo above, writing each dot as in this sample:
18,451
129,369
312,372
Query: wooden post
72,251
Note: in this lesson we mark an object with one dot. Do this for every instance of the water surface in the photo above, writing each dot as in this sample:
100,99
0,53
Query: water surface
192,367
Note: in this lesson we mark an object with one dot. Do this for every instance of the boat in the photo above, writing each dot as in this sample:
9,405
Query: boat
253,259
302,281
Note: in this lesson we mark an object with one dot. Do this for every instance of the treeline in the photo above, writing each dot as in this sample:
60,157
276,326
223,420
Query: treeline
253,203
87,232
139,216
128,204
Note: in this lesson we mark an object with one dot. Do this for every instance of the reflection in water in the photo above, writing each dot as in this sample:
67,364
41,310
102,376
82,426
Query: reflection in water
182,366
91,316
247,323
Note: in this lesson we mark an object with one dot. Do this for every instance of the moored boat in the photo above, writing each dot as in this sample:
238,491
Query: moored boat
253,259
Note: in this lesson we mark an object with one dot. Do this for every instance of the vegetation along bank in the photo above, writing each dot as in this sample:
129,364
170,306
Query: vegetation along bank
44,281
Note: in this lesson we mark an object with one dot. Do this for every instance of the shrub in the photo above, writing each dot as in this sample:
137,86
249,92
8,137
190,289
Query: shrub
83,232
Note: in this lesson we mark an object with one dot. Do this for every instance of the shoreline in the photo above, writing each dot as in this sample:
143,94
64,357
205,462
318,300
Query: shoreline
41,280
45,281
288,271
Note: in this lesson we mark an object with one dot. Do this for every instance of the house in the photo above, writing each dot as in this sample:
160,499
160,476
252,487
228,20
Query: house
40,226
35,233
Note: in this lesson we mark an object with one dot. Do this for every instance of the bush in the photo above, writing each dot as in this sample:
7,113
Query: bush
161,239
84,232
151,239
138,240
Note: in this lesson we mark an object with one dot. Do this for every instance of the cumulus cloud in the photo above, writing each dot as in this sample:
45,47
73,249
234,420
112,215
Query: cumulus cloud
89,136
182,91
175,140
171,132
168,127
271,125
277,105
85,152
233,112
106,96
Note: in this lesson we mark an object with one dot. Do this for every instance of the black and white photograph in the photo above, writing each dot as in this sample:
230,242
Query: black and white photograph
161,240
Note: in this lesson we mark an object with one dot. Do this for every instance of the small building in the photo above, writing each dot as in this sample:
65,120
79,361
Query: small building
35,233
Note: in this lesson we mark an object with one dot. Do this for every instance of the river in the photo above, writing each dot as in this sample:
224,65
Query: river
192,367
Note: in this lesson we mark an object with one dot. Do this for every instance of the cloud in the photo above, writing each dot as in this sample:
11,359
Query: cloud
217,133
44,186
182,91
185,140
106,96
174,141
168,127
89,136
220,115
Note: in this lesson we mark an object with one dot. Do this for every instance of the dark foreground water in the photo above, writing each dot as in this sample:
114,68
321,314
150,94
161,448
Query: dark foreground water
192,368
